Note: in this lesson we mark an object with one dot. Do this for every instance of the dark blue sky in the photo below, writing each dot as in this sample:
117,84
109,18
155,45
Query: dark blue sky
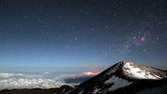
81,35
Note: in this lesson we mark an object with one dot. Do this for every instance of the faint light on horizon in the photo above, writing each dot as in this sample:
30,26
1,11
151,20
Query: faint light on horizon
89,73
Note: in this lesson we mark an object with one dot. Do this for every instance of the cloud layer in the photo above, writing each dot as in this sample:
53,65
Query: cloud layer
45,80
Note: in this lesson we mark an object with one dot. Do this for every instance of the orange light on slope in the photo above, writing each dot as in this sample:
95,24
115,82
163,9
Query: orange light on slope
89,73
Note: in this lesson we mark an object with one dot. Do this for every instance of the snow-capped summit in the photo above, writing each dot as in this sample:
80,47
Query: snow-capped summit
103,83
133,71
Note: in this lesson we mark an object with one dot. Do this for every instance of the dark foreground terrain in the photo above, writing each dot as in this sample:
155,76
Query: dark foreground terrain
28,91
37,90
135,88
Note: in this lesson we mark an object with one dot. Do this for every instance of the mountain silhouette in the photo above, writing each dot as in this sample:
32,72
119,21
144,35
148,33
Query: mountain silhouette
139,78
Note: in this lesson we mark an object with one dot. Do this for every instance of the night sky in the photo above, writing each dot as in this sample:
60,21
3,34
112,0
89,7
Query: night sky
81,35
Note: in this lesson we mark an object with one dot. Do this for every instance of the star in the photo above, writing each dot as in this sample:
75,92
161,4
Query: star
92,29
67,46
144,50
75,38
142,39
134,37
157,38
25,17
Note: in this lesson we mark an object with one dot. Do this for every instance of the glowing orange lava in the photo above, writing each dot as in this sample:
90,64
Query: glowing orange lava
89,73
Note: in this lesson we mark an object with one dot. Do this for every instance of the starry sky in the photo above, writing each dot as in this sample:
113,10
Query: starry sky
81,35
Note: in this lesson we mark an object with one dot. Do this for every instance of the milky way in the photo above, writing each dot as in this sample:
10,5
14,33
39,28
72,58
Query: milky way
63,35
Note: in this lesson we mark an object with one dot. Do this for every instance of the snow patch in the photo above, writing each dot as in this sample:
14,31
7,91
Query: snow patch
135,72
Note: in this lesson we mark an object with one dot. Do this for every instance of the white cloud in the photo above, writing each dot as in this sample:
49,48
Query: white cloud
19,81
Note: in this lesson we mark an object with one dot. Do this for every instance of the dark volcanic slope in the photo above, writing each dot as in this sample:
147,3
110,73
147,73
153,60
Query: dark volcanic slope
140,76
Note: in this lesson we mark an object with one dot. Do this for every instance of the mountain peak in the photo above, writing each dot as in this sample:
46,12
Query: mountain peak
103,82
133,71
